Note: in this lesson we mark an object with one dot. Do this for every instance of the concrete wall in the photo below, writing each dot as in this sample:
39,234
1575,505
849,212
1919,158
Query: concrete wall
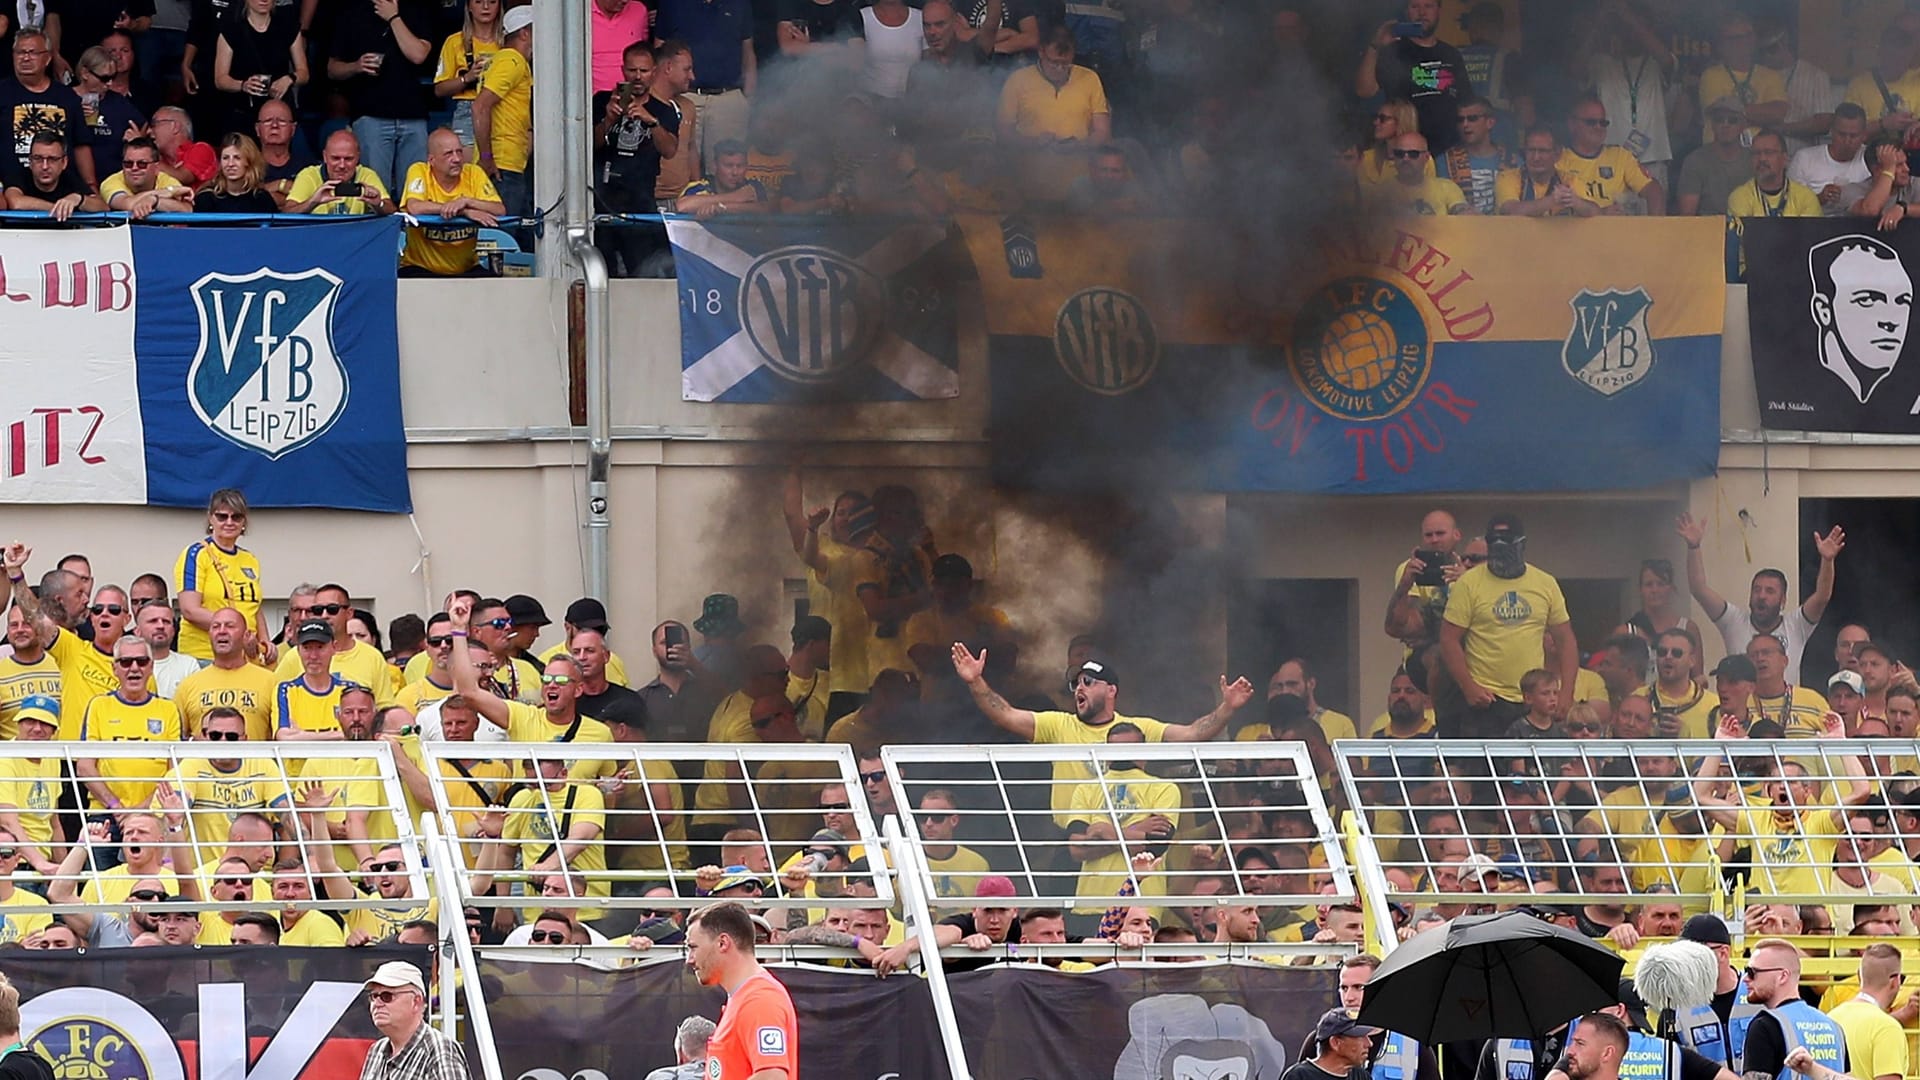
497,490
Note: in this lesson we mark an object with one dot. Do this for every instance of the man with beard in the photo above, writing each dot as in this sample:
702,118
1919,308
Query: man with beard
1345,1044
1295,679
1096,690
1675,690
1786,1021
1493,633
1766,597
27,672
1408,715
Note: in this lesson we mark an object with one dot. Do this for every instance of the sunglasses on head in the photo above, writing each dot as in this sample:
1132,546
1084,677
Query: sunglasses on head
386,867
132,661
224,736
542,937
440,642
107,609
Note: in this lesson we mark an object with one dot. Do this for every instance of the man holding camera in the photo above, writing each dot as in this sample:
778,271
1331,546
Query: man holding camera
637,129
1497,617
340,184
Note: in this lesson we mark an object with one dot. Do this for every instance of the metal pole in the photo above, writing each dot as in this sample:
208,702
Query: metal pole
599,523
906,861
447,849
577,88
550,62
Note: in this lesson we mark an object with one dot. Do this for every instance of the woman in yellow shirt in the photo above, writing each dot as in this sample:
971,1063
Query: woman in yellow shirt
218,573
463,60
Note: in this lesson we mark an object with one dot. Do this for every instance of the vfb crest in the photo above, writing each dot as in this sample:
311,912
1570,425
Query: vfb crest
1105,341
1609,347
811,312
266,376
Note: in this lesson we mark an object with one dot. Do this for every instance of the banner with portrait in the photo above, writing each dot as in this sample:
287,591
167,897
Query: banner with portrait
1829,308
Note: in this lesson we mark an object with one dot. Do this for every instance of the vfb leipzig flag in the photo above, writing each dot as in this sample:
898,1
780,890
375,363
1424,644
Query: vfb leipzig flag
1829,309
825,311
168,1013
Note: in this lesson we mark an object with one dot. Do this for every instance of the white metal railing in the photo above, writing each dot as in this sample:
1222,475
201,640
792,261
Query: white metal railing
1450,822
773,790
1066,823
193,791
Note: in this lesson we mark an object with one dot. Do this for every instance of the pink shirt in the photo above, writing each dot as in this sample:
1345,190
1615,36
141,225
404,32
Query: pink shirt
611,36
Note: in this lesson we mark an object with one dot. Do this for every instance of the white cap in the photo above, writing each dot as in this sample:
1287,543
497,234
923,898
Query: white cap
1848,679
396,974
516,20
1476,866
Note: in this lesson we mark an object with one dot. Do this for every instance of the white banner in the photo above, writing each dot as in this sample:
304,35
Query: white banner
70,428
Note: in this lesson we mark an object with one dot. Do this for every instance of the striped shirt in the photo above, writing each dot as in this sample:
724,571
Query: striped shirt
429,1055
1810,92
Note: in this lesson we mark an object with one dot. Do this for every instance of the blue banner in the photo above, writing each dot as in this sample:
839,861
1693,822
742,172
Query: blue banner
269,360
1429,354
826,310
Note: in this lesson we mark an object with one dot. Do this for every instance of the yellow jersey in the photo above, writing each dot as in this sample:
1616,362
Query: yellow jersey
1876,1043
1066,729
1336,725
18,682
644,853
1795,200
1696,710
852,630
365,791
1514,185
361,665
417,695
1131,795
1505,620
215,797
351,790
1378,168
249,688
297,706
312,928
1900,95
510,78
1031,105
111,888
1589,686
521,682
809,697
1756,86
30,787
529,723
616,667
112,718
1432,197
380,924
875,569
1604,177
85,673
472,787
223,579
958,873
536,816
20,916
450,247
311,179
1801,712
460,51
1795,857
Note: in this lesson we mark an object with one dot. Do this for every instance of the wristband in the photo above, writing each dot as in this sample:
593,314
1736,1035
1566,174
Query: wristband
456,633
16,580
1693,547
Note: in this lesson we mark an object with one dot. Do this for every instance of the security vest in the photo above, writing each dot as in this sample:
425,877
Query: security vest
1648,1057
1399,1058
1700,1028
1515,1059
1808,1027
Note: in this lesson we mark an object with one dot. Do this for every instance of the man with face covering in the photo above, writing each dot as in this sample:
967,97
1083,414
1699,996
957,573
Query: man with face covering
1493,633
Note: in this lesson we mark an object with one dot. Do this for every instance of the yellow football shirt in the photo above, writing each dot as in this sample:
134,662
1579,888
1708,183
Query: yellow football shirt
382,923
529,723
20,916
1696,711
1796,857
31,787
1902,93
1804,717
1604,177
223,579
1512,185
110,888
112,718
536,816
958,873
471,787
1755,86
1796,200
18,682
644,853
361,665
295,705
510,78
1066,729
313,928
85,673
215,797
314,177
417,695
457,52
249,688
1505,620
1432,197
1132,795
1876,1043
450,247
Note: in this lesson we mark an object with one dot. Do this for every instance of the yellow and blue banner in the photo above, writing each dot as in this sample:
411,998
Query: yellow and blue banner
1429,354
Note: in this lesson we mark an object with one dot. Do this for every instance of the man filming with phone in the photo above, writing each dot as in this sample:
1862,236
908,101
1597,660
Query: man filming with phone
339,184
1406,59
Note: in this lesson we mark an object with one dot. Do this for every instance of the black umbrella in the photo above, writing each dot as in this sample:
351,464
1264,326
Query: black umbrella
1508,975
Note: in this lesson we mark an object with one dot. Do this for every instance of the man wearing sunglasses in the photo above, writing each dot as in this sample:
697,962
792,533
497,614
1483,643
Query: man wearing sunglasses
230,681
130,713
514,679
216,791
231,881
561,893
556,719
409,1048
19,914
86,670
1772,978
388,873
1603,174
1675,690
351,659
437,683
1413,190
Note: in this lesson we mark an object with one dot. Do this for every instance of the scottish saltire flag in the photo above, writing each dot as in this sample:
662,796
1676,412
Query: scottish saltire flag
153,365
826,310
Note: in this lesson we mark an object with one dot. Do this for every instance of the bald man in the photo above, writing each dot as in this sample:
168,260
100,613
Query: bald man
339,184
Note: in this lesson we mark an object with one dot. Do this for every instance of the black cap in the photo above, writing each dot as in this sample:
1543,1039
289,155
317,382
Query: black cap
1337,1022
1505,525
811,628
1735,667
951,567
313,630
1099,669
587,613
1706,929
524,610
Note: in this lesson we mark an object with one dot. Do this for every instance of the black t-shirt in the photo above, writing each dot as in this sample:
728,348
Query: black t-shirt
629,159
67,184
395,91
615,704
1697,1066
106,123
836,20
1307,1070
967,929
219,202
1766,1046
298,158
1433,77
25,1065
84,22
257,52
25,113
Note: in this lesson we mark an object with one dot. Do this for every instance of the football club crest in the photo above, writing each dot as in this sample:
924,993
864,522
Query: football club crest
155,727
1105,340
1360,349
1609,347
811,312
266,375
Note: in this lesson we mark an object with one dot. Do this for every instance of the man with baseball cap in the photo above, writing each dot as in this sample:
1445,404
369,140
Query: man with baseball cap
528,619
993,923
33,782
1345,1044
587,613
1499,615
1846,692
1733,681
1717,1030
409,1048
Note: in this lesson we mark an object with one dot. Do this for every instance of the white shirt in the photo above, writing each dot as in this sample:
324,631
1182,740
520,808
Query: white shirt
427,720
1815,168
1635,94
1736,629
168,673
891,52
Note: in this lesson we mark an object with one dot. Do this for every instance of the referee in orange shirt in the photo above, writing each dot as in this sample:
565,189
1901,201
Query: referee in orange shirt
758,1038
